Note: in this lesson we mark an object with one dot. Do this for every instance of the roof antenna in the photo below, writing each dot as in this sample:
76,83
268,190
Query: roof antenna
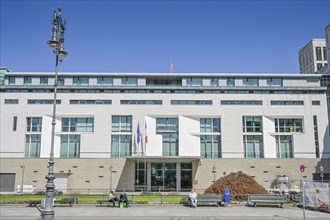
171,64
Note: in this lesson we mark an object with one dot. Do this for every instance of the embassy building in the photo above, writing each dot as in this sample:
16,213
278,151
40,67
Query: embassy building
160,131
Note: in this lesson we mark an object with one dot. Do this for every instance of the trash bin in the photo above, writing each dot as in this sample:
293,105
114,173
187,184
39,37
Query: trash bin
227,196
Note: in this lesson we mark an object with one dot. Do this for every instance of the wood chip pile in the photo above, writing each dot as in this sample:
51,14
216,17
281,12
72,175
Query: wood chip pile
238,183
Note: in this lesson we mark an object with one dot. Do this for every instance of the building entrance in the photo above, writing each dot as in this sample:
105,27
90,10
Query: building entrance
163,177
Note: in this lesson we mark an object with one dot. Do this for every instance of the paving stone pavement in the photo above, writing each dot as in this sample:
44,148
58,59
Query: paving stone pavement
160,212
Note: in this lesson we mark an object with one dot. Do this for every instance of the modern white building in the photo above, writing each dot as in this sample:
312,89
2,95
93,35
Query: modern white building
313,56
161,131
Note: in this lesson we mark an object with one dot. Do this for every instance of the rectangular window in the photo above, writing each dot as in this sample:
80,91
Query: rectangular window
140,175
164,82
11,80
194,81
241,102
90,102
121,123
78,80
210,125
210,146
43,80
121,146
283,102
252,124
14,123
129,81
325,56
318,52
253,146
250,82
60,80
169,129
316,137
231,82
284,146
27,80
32,145
186,176
42,101
33,124
70,146
77,124
191,102
105,81
141,102
290,125
275,82
318,66
214,81
316,102
11,101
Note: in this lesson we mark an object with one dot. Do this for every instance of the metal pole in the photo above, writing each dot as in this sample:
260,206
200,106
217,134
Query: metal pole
303,194
111,167
48,212
23,167
322,175
57,42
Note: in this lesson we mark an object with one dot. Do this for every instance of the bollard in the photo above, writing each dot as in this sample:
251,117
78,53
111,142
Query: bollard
16,198
132,199
161,199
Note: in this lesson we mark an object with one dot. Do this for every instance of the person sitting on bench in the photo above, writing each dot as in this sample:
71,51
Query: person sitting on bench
112,198
123,198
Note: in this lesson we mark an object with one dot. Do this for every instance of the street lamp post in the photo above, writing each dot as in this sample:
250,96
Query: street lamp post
322,175
57,43
23,167
214,171
111,169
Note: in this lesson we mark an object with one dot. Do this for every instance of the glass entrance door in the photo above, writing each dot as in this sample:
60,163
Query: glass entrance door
163,177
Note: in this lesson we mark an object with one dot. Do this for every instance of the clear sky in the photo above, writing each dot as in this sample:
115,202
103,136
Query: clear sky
242,36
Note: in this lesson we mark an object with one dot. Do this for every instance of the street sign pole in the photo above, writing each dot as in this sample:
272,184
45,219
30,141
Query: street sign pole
302,169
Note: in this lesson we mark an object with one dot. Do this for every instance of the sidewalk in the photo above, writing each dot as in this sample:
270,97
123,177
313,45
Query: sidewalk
160,212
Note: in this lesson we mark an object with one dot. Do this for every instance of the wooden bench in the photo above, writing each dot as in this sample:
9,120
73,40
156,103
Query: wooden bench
65,201
267,199
32,203
102,202
214,198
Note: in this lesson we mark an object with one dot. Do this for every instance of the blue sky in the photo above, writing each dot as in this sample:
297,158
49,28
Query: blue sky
242,36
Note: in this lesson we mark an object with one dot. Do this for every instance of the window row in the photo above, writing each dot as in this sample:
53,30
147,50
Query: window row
197,90
160,102
133,81
167,125
121,146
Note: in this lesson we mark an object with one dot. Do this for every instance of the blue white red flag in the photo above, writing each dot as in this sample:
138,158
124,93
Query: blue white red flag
138,134
146,132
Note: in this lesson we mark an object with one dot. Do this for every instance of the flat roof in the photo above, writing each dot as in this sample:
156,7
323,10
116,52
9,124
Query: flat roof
123,74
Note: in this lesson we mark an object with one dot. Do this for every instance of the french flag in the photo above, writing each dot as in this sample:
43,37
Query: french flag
146,132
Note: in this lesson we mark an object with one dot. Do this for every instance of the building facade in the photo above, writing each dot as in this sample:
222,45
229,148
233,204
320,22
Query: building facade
160,131
313,56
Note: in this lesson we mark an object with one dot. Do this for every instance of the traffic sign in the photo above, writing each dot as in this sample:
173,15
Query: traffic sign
302,168
321,175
